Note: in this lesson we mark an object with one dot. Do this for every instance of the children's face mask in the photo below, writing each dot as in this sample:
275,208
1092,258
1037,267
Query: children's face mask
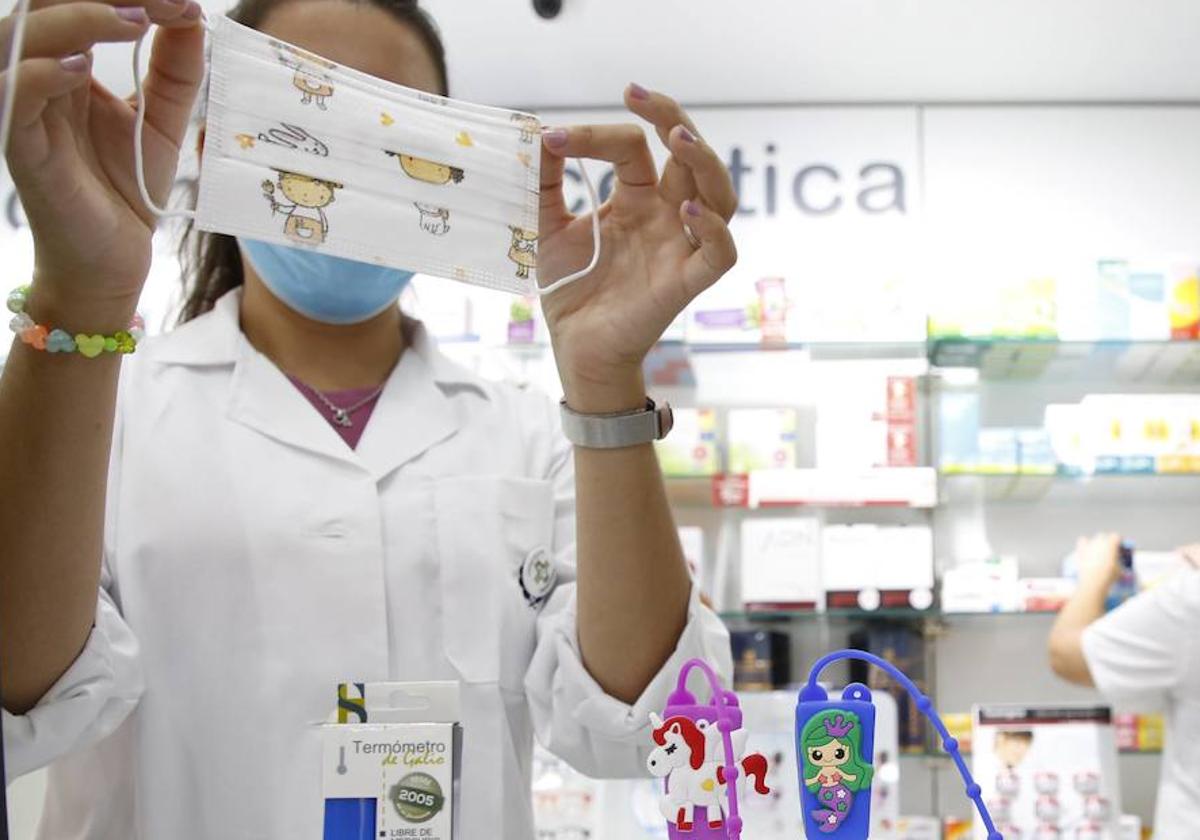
302,152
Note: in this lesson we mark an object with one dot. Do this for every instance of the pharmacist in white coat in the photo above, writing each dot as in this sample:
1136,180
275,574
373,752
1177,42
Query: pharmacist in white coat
271,504
1146,655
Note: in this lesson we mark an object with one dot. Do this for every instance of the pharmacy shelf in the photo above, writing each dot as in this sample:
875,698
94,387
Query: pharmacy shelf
800,616
1067,488
1047,359
892,487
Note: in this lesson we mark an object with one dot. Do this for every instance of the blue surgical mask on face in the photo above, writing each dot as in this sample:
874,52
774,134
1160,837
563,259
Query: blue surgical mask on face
328,289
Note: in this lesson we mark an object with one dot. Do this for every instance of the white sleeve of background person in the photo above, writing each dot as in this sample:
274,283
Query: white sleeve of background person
99,689
572,715
1141,652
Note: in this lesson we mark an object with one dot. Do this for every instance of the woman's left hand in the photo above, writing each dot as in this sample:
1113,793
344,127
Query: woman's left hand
604,324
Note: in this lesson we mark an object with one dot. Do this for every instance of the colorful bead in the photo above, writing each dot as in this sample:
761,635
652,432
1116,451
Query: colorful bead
20,323
17,298
90,346
110,345
60,341
35,337
125,342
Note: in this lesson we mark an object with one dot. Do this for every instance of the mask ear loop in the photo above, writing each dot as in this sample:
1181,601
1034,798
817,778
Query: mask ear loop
139,131
594,200
10,85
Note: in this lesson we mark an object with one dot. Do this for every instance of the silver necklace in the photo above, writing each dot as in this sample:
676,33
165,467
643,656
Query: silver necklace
341,415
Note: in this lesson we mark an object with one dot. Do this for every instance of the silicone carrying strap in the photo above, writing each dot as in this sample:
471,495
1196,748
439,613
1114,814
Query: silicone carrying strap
163,213
725,725
813,691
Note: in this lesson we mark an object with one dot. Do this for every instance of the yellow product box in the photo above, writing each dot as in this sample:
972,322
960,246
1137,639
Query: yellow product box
1150,733
961,726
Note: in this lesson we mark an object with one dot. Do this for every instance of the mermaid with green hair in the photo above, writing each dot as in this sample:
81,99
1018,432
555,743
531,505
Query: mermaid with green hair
834,767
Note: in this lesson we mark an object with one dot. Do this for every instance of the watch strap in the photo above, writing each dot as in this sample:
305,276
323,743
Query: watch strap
619,429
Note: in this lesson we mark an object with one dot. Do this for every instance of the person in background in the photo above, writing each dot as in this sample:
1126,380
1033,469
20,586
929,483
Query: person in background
1144,654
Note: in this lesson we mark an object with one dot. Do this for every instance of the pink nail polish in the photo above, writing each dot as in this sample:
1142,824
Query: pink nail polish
686,136
77,63
193,11
133,14
637,91
693,209
555,138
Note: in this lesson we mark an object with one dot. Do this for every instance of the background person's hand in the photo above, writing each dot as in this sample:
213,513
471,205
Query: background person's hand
604,324
1099,560
71,149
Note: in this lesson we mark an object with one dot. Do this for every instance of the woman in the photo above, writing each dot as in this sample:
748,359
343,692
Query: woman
255,551
1144,654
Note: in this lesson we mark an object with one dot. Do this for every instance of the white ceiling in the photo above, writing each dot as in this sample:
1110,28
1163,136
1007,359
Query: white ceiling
726,51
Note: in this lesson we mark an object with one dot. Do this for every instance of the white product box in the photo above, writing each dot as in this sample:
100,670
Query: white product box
762,439
781,562
985,586
886,559
1047,769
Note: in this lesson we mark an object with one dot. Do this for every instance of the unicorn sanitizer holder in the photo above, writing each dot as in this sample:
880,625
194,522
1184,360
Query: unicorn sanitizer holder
835,741
698,753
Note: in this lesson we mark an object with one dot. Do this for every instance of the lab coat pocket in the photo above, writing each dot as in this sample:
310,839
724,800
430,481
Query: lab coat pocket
489,528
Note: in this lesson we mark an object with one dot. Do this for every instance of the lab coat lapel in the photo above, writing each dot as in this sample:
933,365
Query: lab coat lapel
264,399
413,412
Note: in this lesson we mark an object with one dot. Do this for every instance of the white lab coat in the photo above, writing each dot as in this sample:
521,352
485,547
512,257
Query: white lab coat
253,561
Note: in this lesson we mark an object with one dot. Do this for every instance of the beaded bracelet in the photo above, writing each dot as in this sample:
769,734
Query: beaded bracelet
41,337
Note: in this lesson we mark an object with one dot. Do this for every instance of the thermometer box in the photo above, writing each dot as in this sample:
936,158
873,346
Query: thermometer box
392,761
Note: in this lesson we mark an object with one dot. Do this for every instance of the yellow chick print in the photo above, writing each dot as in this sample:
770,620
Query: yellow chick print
428,171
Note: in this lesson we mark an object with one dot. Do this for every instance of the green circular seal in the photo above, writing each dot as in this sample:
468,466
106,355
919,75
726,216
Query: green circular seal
417,797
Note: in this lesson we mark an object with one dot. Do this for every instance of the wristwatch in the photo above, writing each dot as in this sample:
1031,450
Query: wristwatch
619,430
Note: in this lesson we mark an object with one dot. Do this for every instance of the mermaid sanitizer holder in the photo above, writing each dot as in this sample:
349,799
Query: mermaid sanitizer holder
835,742
698,754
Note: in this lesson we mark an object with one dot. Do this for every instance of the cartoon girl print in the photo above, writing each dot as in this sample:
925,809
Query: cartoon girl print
307,198
834,769
523,251
435,220
310,77
428,171
531,127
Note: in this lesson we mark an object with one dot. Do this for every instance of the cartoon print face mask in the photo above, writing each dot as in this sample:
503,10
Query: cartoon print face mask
300,151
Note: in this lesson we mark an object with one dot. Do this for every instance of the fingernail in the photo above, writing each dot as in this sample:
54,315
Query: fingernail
177,2
193,11
685,135
637,91
555,138
133,14
76,63
693,209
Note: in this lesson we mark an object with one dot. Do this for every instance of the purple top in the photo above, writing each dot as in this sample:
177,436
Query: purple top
358,417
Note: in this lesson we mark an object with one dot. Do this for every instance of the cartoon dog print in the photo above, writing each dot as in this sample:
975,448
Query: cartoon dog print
306,200
435,220
531,127
310,77
523,251
428,171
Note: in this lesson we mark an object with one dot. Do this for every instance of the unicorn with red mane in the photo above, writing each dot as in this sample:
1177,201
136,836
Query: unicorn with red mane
691,758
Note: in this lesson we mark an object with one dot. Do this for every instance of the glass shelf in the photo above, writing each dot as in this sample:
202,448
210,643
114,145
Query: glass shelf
1070,488
1049,359
796,616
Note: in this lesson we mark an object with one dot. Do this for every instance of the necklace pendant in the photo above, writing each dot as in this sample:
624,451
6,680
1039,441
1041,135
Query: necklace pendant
342,418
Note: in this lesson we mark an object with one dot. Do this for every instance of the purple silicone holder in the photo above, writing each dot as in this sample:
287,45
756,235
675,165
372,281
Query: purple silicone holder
723,711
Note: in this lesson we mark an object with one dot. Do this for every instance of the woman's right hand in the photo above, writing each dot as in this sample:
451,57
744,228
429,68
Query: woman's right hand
71,150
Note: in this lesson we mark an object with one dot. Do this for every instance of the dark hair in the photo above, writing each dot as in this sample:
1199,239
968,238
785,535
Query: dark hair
212,262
